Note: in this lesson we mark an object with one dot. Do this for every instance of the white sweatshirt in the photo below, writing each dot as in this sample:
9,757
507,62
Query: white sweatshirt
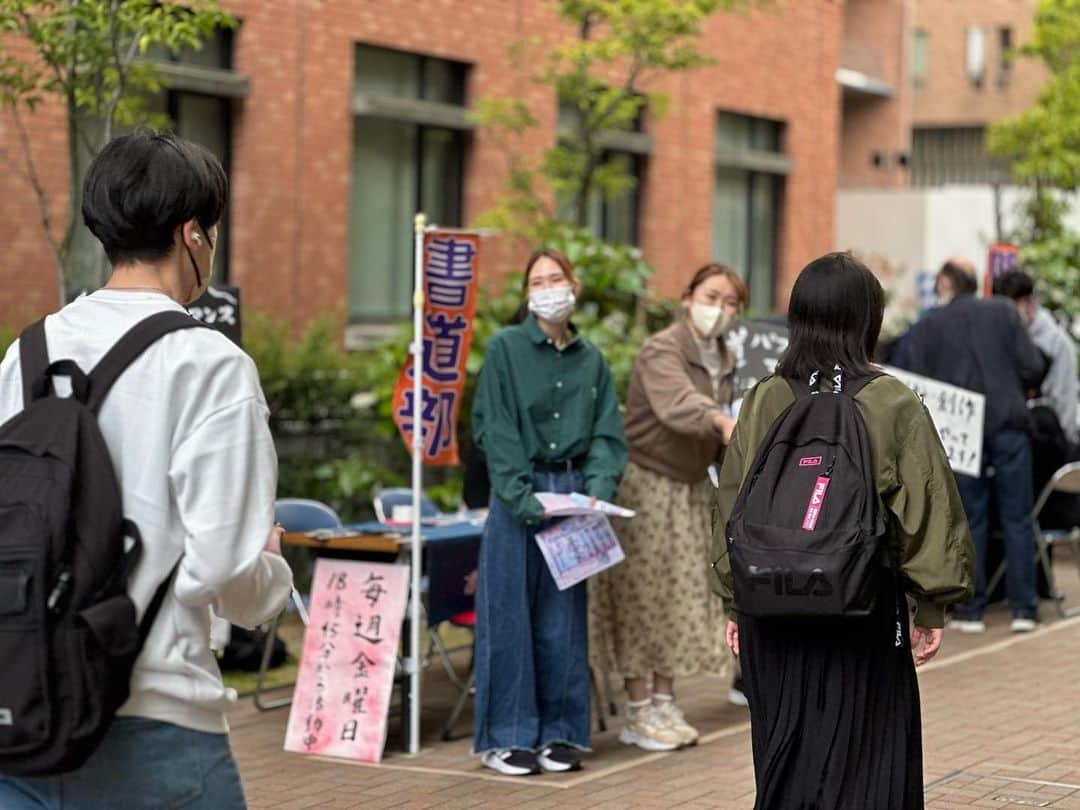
186,427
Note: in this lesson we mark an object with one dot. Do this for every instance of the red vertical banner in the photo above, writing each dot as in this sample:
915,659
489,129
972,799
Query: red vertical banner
451,270
1000,259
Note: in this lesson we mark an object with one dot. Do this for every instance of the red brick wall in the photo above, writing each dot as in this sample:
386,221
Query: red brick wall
948,97
876,32
292,139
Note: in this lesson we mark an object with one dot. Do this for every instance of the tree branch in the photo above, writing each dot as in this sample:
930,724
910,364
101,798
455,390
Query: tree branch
30,173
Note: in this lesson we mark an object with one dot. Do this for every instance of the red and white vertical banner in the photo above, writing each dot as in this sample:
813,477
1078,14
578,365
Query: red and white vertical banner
1000,259
451,268
346,673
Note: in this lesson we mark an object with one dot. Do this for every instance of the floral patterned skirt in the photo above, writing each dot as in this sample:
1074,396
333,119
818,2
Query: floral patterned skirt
655,611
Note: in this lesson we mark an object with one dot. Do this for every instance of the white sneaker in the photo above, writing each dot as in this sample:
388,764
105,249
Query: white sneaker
646,729
1022,625
673,716
512,762
967,625
737,693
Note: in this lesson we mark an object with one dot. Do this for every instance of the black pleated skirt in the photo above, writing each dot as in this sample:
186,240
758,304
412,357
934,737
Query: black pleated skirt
834,711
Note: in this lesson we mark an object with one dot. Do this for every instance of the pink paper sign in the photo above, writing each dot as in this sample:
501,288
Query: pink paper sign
346,674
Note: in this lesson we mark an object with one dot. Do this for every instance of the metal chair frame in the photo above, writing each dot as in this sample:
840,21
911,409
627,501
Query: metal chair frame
1065,479
330,520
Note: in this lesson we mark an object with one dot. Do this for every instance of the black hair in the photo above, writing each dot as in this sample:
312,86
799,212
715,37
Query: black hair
963,283
141,187
1014,284
834,318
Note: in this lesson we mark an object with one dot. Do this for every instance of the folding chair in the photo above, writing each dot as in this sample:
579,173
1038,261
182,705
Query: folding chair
1067,480
384,501
451,568
295,515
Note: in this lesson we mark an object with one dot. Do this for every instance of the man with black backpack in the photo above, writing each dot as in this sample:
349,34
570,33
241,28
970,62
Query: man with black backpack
137,485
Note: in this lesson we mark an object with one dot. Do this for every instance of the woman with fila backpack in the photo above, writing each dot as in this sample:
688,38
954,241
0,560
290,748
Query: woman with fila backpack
829,652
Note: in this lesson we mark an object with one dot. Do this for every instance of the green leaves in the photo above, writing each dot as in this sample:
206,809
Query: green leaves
1044,147
601,79
1044,143
95,56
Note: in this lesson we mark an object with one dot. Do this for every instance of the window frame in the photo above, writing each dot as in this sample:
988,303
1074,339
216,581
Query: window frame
424,116
754,163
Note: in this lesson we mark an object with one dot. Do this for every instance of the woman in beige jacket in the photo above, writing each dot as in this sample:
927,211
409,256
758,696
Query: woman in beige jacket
654,616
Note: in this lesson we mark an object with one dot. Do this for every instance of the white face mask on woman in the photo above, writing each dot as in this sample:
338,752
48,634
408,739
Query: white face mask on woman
710,321
553,305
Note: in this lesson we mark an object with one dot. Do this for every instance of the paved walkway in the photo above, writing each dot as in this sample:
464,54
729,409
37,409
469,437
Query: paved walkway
1001,729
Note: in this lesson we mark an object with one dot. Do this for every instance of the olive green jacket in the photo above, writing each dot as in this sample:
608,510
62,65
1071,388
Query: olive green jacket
914,483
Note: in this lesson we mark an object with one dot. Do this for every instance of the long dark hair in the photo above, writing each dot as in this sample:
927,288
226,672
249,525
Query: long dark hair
834,318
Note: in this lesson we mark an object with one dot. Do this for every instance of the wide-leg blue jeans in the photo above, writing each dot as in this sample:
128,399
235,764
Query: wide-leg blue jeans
532,656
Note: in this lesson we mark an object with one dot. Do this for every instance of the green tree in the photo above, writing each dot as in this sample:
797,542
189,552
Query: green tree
604,77
1043,145
91,56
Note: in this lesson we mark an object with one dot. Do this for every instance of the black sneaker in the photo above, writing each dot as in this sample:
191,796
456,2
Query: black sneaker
512,762
559,757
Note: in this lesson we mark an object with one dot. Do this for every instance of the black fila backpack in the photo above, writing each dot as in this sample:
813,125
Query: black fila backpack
68,634
805,537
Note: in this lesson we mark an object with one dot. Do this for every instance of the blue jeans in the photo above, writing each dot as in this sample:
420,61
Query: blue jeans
1009,453
532,654
141,764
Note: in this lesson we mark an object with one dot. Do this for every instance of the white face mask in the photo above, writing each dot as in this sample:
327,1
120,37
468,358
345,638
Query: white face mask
553,305
711,321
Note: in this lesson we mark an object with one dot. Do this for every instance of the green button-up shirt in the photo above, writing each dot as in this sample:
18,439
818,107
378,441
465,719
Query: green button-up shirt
537,403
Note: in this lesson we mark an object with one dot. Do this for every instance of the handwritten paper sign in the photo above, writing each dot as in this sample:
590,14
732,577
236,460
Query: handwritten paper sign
578,547
451,270
346,672
958,416
757,347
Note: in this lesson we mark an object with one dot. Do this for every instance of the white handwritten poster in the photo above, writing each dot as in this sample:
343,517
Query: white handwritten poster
346,672
957,414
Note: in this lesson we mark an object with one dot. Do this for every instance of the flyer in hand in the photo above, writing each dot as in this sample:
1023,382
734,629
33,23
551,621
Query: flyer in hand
563,505
578,547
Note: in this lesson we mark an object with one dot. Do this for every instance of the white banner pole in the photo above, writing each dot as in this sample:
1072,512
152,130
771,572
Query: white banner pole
419,224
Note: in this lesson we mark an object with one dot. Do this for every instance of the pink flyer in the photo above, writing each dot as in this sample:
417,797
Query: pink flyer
346,674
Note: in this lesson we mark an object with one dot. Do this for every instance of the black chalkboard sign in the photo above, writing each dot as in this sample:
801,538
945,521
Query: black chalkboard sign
756,346
219,308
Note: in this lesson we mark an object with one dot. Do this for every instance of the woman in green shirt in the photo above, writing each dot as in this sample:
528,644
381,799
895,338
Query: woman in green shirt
547,420
834,702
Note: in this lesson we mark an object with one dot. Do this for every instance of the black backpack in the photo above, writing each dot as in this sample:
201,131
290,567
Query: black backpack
805,536
68,635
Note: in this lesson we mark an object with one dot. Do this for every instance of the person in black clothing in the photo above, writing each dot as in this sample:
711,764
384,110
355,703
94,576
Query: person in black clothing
982,345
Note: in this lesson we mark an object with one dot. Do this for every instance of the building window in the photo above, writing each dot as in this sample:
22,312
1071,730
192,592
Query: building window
1005,57
953,155
750,170
615,219
975,56
197,102
409,140
920,59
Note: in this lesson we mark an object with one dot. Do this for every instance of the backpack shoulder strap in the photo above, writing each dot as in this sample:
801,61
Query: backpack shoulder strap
33,358
129,348
855,386
800,388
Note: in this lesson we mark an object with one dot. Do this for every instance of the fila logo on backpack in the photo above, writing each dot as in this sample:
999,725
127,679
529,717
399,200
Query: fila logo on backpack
68,634
805,536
